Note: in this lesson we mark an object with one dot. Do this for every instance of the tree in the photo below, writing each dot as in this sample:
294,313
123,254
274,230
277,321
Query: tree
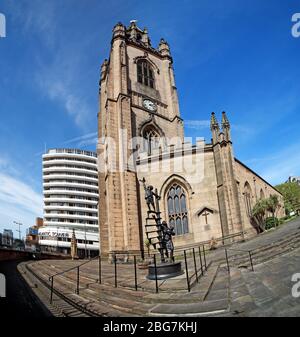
259,214
291,196
273,204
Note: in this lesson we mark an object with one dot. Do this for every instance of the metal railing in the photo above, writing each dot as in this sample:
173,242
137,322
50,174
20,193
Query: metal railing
249,252
51,278
192,269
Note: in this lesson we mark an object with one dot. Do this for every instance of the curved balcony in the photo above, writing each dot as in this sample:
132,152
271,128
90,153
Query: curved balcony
70,200
71,208
71,225
70,216
66,192
86,155
71,169
70,177
69,184
54,162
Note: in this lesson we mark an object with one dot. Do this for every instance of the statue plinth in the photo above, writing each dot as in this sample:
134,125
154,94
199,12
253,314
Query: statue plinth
164,271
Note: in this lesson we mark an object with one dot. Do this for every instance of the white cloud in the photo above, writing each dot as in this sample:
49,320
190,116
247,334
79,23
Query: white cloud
56,75
279,166
56,84
197,124
14,192
88,139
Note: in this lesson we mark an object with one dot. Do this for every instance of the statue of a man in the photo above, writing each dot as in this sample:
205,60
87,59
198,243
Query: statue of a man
167,233
149,196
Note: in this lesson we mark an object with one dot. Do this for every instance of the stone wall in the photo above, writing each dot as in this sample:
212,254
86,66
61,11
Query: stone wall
259,189
200,188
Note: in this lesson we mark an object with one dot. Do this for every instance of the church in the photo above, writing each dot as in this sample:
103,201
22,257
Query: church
205,192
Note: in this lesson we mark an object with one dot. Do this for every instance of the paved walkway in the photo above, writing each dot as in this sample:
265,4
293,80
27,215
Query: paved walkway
242,292
267,238
267,291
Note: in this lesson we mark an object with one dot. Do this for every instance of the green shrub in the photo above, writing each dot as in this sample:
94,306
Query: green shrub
271,222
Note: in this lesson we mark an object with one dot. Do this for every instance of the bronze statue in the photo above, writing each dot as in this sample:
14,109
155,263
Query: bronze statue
167,242
149,196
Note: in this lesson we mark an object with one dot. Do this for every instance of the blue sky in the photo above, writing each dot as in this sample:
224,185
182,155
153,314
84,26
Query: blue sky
233,55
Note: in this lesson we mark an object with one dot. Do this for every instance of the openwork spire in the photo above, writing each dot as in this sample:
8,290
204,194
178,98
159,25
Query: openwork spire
226,126
225,121
214,122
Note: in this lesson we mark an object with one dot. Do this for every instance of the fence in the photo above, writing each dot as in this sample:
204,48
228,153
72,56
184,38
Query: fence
193,269
249,252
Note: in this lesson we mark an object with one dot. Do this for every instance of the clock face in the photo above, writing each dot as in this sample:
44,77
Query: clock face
149,105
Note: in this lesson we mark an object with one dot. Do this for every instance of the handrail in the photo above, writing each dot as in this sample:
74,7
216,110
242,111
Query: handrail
78,266
207,242
240,250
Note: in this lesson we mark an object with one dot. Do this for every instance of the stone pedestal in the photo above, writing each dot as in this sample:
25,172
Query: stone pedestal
164,271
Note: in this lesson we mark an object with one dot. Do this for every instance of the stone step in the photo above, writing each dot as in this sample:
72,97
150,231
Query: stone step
257,288
59,307
240,299
264,253
193,309
86,299
128,297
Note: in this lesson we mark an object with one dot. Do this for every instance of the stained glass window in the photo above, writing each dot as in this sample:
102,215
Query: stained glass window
177,209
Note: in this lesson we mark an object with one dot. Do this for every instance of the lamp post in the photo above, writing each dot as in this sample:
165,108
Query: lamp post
20,224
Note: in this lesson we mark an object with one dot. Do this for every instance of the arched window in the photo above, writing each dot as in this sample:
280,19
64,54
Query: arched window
145,73
177,209
262,194
151,138
248,198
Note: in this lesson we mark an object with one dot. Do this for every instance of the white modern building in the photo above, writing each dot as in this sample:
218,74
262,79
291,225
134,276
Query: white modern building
70,184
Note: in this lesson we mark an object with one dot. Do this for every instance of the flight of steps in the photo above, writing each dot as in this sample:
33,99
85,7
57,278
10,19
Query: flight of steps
263,253
105,300
215,293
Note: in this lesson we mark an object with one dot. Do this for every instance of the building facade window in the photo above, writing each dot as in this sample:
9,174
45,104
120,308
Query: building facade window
151,139
262,194
248,199
145,73
177,209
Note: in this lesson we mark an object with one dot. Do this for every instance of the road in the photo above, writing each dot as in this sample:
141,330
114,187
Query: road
20,301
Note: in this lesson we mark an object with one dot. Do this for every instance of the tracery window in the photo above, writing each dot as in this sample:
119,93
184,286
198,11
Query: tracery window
151,138
145,73
177,209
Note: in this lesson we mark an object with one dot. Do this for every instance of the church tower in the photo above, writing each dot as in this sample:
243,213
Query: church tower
227,188
138,98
